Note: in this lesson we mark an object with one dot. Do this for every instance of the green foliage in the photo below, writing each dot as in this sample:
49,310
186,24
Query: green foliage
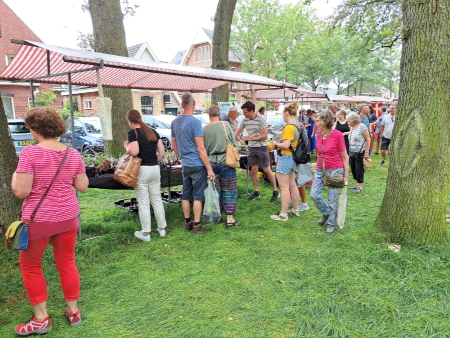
85,41
262,279
290,43
65,111
45,98
377,22
207,104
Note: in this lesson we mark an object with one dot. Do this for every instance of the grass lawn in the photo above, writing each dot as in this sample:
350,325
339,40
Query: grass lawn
263,279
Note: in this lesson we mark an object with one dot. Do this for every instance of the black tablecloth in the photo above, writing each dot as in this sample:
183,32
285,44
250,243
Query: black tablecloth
170,177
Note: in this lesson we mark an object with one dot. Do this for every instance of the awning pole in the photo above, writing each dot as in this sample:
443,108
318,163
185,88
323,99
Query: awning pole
74,144
48,62
32,93
72,122
99,84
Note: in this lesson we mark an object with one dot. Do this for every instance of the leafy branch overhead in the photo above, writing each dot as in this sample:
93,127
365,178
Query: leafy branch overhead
128,9
290,43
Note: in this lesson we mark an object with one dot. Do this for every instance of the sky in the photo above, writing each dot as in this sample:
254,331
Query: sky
168,26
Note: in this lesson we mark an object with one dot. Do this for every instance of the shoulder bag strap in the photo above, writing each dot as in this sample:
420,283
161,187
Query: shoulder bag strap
323,154
51,183
227,139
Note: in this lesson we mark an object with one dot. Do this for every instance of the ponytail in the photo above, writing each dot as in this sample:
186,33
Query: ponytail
135,117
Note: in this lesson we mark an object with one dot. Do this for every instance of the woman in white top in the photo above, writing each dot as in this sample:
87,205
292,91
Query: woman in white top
359,141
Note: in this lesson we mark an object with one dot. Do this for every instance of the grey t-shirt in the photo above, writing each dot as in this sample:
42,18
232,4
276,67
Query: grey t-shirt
254,128
388,122
356,139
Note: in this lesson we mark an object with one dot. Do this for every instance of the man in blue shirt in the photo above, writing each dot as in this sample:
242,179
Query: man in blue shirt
187,142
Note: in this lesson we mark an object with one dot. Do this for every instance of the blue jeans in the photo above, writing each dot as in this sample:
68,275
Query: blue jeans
316,195
195,181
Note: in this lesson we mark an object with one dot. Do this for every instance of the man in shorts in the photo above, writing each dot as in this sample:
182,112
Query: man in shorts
386,127
258,152
187,142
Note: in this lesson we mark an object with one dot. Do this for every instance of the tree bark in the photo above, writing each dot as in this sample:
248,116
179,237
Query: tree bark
109,38
10,205
417,187
221,44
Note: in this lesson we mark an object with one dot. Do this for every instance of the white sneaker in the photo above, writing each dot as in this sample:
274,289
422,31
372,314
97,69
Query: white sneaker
162,233
141,236
303,207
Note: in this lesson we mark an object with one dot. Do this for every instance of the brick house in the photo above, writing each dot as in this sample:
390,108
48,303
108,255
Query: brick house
200,55
145,101
16,96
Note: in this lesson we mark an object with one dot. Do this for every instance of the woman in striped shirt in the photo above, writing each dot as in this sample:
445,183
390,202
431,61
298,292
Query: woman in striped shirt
56,220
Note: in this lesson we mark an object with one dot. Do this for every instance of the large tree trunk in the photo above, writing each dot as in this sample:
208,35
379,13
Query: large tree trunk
417,187
109,38
221,44
10,205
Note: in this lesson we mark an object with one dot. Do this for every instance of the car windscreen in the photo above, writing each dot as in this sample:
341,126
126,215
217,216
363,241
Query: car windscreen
202,120
18,128
93,126
161,124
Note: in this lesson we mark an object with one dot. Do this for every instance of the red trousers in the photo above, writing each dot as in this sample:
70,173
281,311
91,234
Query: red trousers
64,255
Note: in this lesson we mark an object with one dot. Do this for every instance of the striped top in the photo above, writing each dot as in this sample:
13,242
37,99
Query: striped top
61,203
254,128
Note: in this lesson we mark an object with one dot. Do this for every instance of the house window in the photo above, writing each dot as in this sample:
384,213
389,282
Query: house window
208,52
167,98
233,84
88,104
233,95
249,86
8,104
9,58
200,56
147,105
208,97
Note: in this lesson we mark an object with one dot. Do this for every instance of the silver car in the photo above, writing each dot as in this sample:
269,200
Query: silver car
161,128
20,134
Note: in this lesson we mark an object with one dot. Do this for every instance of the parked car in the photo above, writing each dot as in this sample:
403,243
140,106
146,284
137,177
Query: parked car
20,134
162,128
88,134
167,119
204,119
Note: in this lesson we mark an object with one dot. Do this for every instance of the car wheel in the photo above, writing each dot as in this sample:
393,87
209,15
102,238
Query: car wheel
167,144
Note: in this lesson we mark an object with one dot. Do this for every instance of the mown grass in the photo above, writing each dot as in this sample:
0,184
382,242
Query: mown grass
263,279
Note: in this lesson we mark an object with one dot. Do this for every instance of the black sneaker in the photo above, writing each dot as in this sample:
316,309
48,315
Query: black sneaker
275,196
254,196
382,162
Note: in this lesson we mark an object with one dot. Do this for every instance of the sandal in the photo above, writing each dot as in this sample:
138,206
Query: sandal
357,191
232,224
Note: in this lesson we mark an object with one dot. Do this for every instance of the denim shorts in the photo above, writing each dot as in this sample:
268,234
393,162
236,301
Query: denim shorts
194,183
285,164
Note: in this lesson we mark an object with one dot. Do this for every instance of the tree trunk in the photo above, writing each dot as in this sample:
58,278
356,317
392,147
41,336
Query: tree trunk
221,44
417,187
109,38
10,205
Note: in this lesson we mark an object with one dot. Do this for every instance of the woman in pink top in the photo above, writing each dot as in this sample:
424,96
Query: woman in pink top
331,147
56,218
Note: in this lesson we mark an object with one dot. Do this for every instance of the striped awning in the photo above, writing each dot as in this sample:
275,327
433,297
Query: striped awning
35,59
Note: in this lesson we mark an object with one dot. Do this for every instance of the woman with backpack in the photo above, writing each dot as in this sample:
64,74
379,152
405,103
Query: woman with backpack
286,164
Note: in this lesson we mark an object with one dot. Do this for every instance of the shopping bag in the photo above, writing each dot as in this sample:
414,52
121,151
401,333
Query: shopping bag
305,174
211,210
342,207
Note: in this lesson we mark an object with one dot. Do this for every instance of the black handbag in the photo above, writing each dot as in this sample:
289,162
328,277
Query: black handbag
331,180
16,237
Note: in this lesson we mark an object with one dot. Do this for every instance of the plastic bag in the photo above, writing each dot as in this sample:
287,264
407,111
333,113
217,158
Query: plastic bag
342,208
305,174
211,210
